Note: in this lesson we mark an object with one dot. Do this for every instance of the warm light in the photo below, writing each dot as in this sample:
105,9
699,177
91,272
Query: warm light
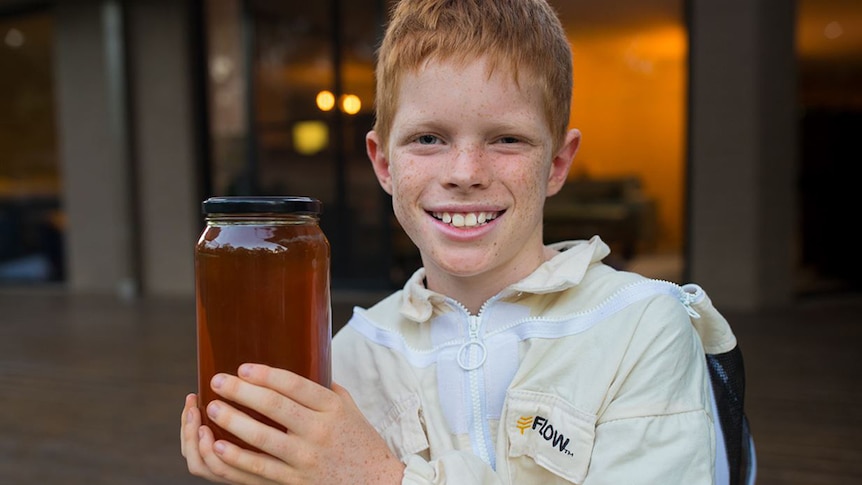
310,137
351,104
833,30
221,68
325,100
14,38
631,85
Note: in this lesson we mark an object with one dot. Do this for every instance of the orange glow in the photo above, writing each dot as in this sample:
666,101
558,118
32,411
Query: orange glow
325,100
351,104
310,137
629,103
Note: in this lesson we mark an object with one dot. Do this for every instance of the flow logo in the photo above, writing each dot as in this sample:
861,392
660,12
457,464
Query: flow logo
546,430
524,422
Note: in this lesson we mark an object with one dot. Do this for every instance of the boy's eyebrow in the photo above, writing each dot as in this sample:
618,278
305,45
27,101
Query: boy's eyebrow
419,123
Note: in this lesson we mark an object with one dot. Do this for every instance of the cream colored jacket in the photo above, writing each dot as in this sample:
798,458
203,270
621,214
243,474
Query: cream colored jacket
577,374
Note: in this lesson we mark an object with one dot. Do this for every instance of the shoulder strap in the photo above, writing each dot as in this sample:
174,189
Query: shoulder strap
727,375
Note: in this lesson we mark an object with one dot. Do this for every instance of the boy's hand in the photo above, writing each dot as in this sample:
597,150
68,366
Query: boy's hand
328,439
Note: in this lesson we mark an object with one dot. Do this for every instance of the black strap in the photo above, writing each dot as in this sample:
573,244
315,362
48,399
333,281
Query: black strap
727,374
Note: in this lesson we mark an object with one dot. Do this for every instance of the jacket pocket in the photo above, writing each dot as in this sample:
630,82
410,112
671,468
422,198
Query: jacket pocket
402,427
545,430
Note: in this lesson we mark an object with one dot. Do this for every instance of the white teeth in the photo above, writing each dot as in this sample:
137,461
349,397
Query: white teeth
466,219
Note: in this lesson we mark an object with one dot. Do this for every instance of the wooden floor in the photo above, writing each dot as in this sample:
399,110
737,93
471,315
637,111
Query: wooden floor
91,389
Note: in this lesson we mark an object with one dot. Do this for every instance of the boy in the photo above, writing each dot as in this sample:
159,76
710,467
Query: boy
502,360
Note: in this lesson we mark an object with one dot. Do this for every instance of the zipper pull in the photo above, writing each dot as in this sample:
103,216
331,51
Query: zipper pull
465,353
690,294
474,327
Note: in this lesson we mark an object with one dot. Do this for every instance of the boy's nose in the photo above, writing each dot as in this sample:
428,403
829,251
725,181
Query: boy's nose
469,168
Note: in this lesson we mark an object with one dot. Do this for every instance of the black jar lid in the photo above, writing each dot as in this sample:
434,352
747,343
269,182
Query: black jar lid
262,204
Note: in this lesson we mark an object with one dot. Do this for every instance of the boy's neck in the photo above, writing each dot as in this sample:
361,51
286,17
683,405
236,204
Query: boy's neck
474,291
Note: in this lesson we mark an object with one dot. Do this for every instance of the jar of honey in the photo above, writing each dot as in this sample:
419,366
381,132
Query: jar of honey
262,291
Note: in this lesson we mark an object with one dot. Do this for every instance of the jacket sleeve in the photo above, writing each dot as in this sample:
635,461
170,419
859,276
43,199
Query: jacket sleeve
656,426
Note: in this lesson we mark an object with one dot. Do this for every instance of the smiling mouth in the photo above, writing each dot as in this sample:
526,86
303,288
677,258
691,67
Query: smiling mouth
465,219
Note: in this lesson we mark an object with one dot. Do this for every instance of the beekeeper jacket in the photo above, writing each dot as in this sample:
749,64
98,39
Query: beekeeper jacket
578,373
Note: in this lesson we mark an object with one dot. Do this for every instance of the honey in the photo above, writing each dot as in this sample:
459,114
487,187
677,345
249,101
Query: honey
262,291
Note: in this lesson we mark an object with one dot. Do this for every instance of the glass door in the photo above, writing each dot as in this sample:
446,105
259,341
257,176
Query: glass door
31,217
292,90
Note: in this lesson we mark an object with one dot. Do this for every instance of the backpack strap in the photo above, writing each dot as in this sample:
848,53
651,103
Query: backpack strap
727,375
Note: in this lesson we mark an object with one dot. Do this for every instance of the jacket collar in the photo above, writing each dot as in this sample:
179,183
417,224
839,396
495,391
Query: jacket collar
561,272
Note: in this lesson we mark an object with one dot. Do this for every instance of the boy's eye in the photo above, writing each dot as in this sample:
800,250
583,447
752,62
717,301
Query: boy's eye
509,139
426,139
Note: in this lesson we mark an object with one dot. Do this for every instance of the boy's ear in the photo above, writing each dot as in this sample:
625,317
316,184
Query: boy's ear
563,161
378,160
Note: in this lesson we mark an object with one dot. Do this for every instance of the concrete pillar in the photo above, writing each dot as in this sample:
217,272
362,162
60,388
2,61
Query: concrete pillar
93,146
742,213
127,145
165,143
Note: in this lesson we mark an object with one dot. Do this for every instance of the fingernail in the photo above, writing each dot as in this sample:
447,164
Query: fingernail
189,416
245,370
217,381
219,447
213,409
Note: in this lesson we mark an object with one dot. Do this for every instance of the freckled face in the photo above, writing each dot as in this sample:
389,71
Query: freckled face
469,164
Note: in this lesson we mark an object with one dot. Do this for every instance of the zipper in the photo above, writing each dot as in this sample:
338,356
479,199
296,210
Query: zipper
478,430
471,358
688,295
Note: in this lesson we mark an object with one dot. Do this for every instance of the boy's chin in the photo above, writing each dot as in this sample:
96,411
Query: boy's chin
463,264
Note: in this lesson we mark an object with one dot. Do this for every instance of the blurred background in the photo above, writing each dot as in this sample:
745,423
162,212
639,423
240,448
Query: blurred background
718,140
720,146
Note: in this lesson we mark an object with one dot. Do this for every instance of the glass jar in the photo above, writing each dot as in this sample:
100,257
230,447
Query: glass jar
262,291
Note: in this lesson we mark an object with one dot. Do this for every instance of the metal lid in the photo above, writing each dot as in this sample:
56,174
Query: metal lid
262,204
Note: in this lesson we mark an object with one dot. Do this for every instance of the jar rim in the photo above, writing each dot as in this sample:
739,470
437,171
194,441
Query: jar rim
262,204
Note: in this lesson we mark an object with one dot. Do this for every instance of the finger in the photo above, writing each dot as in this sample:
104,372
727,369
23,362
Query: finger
260,468
214,469
257,434
190,435
224,471
190,402
185,421
262,398
189,431
303,391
